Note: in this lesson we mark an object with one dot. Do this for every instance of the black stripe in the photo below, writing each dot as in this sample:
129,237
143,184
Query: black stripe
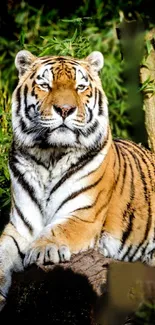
91,205
74,72
124,168
138,247
132,189
83,161
124,175
119,164
18,99
109,195
33,90
98,140
100,103
89,95
127,253
127,215
48,61
90,77
23,125
32,75
128,230
135,252
148,226
25,94
33,83
86,207
90,129
90,114
95,97
17,246
75,194
144,249
27,187
2,294
26,223
73,63
83,76
25,101
103,146
78,218
62,59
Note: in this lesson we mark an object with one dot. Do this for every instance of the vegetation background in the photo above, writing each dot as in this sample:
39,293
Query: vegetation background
76,29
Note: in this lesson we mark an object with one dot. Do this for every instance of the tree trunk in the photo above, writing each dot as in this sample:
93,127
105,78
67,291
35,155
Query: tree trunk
147,76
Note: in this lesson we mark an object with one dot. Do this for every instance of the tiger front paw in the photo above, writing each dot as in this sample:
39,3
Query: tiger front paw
49,253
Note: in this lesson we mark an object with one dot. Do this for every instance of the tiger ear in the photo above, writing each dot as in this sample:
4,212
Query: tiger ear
23,60
96,60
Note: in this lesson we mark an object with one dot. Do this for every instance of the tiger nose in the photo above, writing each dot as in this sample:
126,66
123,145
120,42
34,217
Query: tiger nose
64,110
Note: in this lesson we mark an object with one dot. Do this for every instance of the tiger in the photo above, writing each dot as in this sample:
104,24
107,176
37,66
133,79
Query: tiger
73,186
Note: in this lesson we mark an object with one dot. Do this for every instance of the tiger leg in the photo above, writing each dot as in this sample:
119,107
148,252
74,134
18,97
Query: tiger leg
112,247
12,249
58,243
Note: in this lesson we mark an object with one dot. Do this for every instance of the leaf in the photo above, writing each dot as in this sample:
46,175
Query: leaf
149,46
22,38
74,36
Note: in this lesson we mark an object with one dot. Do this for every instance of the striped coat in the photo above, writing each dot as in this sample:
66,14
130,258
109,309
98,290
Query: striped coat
73,187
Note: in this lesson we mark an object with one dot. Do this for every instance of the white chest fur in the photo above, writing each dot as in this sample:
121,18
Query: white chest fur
56,187
59,185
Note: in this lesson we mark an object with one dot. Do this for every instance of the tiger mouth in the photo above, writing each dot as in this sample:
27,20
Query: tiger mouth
62,127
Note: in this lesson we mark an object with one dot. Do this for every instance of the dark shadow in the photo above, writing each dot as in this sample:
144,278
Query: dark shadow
56,297
4,217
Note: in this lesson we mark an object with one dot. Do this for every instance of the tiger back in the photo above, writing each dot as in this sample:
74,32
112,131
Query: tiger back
73,186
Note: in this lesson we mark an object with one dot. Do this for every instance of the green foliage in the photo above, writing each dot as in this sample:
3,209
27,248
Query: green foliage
5,139
145,314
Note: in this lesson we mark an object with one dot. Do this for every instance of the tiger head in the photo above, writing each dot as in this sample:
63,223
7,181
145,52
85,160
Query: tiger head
59,101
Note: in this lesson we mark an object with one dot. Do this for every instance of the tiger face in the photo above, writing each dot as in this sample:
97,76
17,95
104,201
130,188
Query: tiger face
59,101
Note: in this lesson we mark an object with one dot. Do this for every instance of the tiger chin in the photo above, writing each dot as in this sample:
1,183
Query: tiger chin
72,186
